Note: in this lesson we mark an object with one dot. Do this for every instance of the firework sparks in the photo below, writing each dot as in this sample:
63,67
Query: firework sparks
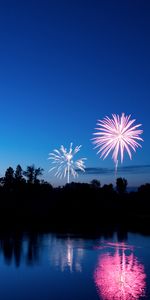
64,165
117,135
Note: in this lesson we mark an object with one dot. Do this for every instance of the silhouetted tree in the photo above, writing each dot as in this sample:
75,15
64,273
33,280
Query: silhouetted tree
121,185
32,174
2,181
29,173
96,183
145,188
37,172
9,177
19,174
108,188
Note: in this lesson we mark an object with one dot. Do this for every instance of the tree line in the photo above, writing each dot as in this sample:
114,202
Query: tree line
31,176
27,200
19,176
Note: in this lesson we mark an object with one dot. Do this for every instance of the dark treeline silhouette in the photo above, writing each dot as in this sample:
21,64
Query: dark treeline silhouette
28,201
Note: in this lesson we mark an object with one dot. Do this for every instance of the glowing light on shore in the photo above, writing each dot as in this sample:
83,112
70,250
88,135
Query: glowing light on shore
119,276
64,164
117,135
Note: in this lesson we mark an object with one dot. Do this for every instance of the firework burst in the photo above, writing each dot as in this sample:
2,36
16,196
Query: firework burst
64,164
117,135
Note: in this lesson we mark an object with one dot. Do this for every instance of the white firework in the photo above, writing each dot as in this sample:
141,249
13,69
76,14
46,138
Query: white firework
64,164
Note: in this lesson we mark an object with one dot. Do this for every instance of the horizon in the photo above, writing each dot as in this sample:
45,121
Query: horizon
103,175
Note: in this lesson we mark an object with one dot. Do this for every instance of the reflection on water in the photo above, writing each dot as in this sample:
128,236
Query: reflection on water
65,254
51,260
119,275
20,247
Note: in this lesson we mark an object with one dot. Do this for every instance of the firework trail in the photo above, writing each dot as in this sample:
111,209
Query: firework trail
117,135
64,165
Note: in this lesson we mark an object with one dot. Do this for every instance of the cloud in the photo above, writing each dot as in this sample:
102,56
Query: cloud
138,169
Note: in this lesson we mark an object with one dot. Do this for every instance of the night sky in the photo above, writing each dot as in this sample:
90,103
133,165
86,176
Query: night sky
63,65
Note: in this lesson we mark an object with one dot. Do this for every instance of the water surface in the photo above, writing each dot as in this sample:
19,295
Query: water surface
49,266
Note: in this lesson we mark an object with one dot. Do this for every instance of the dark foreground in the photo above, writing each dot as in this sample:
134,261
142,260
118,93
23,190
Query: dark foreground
75,207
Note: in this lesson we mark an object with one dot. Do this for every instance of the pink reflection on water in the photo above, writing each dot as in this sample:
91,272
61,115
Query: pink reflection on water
119,276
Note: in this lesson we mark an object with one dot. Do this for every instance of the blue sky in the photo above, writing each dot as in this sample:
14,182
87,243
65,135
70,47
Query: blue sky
63,65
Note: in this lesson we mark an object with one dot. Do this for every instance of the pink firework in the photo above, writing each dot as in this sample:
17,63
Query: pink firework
120,277
117,135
